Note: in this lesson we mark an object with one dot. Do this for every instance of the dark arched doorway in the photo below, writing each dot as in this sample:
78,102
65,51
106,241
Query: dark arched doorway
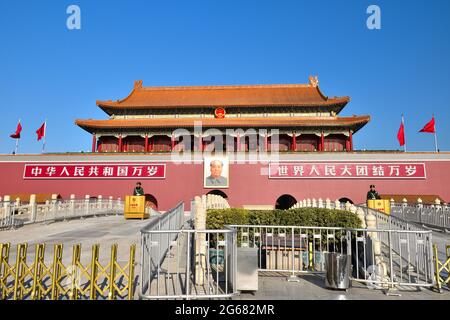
219,193
150,201
286,201
345,200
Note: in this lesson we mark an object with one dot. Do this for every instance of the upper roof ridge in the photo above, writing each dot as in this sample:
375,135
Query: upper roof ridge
215,87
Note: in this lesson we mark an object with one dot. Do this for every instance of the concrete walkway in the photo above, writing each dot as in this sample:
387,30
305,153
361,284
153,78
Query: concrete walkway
312,287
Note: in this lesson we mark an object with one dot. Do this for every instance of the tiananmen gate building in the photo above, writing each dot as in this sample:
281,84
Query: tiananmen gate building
146,119
272,144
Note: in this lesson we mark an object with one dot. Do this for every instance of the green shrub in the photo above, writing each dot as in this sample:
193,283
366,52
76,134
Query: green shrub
217,218
308,217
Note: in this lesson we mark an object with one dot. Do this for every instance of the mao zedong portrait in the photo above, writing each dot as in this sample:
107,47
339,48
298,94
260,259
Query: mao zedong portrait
216,178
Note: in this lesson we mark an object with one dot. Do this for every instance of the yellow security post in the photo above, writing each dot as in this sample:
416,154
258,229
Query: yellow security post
37,270
310,255
446,266
112,272
57,260
76,253
5,269
436,267
94,270
20,260
380,205
131,272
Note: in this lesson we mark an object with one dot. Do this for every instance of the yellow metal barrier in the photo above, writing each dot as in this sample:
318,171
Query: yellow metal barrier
380,205
54,281
441,267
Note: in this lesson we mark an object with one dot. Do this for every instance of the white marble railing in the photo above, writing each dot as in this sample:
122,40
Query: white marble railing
16,213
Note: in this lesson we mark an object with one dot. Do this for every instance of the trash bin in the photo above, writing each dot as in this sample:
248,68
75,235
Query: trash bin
337,268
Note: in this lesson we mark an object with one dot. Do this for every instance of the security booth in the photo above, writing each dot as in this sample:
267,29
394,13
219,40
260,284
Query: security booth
382,205
135,208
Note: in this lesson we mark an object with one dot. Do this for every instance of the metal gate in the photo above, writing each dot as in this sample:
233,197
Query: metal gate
194,264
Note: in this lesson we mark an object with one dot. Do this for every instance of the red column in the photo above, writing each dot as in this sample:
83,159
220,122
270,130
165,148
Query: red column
173,142
350,138
266,143
146,143
294,142
94,142
322,142
152,145
238,143
120,143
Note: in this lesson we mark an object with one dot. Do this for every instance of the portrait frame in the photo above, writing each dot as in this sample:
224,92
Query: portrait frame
225,173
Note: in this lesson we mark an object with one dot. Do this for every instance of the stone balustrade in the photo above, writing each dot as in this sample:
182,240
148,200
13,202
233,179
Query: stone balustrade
18,212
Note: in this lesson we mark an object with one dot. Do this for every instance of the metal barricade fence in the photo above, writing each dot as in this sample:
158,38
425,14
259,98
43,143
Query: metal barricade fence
180,263
432,215
389,222
197,264
379,257
75,277
170,220
442,268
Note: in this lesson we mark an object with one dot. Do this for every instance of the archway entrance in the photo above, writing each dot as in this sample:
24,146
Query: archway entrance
285,202
150,201
345,200
219,193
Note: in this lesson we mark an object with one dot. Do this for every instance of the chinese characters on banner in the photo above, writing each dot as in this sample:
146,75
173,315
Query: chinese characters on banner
340,170
95,171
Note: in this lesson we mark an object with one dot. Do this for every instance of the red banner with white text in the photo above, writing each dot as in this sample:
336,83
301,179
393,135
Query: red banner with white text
95,171
344,170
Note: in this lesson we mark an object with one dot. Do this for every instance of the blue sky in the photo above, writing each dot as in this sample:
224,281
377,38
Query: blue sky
49,71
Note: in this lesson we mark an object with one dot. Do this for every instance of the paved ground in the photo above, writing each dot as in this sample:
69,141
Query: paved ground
114,229
103,230
311,287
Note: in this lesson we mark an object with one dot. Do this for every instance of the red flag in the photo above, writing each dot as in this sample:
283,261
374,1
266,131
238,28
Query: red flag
41,132
16,135
429,127
401,135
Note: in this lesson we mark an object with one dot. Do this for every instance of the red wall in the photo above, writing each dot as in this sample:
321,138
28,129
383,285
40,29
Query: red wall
247,185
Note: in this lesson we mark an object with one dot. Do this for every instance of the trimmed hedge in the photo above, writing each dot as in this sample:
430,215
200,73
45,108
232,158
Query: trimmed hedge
308,217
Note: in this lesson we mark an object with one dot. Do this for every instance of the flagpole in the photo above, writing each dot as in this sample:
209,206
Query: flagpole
403,122
17,144
45,133
435,136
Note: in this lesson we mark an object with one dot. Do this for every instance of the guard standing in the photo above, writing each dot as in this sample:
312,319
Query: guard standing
373,194
138,190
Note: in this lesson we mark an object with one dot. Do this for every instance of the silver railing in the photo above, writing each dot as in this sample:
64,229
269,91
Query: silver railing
434,215
180,263
17,214
380,258
390,222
